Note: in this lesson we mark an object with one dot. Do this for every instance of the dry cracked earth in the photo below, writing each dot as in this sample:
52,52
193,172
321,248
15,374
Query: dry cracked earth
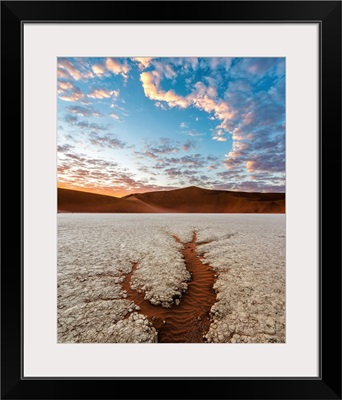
174,279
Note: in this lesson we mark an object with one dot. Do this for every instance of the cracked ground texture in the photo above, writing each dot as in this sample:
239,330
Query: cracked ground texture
96,252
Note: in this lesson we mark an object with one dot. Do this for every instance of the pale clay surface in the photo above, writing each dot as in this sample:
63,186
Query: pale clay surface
96,251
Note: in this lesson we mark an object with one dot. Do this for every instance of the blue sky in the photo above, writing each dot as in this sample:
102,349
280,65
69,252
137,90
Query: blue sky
128,125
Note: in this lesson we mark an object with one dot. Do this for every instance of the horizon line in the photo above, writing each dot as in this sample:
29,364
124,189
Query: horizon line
84,190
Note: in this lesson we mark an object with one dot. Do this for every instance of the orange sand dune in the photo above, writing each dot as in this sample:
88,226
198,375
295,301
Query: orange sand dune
194,199
84,202
188,200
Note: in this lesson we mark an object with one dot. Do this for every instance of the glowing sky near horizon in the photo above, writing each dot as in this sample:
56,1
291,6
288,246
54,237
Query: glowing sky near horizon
128,125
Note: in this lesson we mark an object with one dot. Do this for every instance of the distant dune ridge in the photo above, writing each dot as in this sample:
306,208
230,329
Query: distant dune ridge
188,200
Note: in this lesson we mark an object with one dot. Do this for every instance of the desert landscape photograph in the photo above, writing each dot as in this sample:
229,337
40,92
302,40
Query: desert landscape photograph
171,224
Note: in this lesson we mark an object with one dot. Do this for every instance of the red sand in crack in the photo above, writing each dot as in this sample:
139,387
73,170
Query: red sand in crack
189,321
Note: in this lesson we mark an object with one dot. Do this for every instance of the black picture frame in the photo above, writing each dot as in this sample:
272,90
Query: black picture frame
328,384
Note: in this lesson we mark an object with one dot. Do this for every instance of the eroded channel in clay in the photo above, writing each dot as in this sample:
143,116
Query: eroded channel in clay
187,321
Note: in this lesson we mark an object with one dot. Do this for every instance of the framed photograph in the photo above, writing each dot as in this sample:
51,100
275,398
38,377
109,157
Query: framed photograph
171,199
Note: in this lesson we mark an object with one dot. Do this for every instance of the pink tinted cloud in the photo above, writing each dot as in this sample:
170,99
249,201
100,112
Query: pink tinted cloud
241,113
143,62
116,67
62,73
69,68
72,95
103,94
98,69
203,97
150,82
64,86
250,165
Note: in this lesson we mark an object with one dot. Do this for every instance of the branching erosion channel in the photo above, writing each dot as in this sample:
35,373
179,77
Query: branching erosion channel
188,321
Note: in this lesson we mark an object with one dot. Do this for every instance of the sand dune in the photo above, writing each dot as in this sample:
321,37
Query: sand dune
83,202
188,200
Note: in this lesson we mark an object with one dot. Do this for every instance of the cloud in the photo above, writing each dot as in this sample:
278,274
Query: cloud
78,158
91,126
185,64
115,116
150,82
250,165
188,161
162,146
193,161
277,91
149,154
146,170
84,124
83,111
252,186
189,173
160,105
260,66
98,69
62,73
249,107
259,132
116,67
107,141
267,162
219,62
68,68
63,87
77,69
181,168
96,174
103,94
189,145
240,85
143,62
220,138
70,118
64,148
263,114
194,133
172,172
164,68
246,108
219,108
72,96
186,176
212,158
201,90
265,153
202,97
69,92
